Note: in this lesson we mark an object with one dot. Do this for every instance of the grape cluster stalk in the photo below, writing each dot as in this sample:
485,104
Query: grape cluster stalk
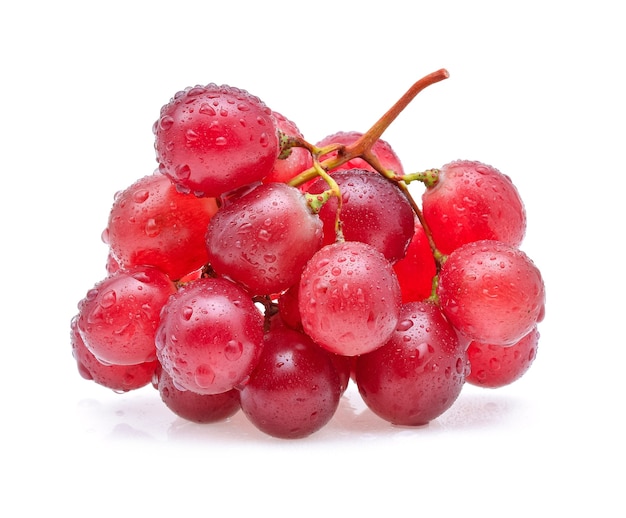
255,271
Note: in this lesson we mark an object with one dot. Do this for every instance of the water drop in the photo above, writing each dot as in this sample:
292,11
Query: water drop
206,109
108,299
152,228
182,172
140,195
233,350
166,122
404,325
204,376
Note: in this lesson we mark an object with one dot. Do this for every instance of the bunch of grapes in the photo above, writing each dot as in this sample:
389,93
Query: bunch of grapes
255,271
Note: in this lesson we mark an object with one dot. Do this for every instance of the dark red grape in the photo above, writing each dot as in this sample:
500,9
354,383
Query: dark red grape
199,408
373,211
419,373
295,389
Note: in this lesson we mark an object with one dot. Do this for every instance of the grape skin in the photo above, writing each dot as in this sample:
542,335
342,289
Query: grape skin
473,201
264,238
494,366
118,317
295,388
198,408
210,336
212,139
151,223
368,199
349,298
491,292
419,373
119,378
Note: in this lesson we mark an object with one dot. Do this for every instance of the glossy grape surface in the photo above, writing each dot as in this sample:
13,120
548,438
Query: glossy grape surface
495,366
151,223
295,389
119,378
264,238
491,292
349,298
199,408
419,373
373,211
212,139
118,317
473,201
210,336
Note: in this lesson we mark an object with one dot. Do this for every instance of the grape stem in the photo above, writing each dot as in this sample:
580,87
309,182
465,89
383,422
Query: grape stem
361,148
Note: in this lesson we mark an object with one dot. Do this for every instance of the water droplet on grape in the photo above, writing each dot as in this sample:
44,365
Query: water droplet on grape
191,136
166,122
187,312
152,228
233,350
204,376
141,195
182,172
108,299
206,109
221,141
404,325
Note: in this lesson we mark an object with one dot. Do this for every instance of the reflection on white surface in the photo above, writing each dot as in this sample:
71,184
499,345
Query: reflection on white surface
142,415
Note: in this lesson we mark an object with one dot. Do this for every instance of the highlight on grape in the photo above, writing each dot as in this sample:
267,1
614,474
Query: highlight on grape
255,271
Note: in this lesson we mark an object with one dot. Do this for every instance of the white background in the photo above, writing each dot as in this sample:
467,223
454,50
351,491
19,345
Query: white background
536,89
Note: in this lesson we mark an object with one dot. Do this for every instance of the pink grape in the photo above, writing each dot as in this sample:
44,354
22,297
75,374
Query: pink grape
264,238
374,211
198,408
417,269
151,223
212,139
491,292
118,317
495,366
299,158
119,378
295,388
210,336
349,298
419,373
473,201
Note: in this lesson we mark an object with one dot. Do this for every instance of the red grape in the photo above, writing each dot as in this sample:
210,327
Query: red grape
212,139
119,378
264,238
118,317
295,388
199,408
210,336
491,292
495,366
417,269
419,373
472,201
299,158
151,223
349,298
374,211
